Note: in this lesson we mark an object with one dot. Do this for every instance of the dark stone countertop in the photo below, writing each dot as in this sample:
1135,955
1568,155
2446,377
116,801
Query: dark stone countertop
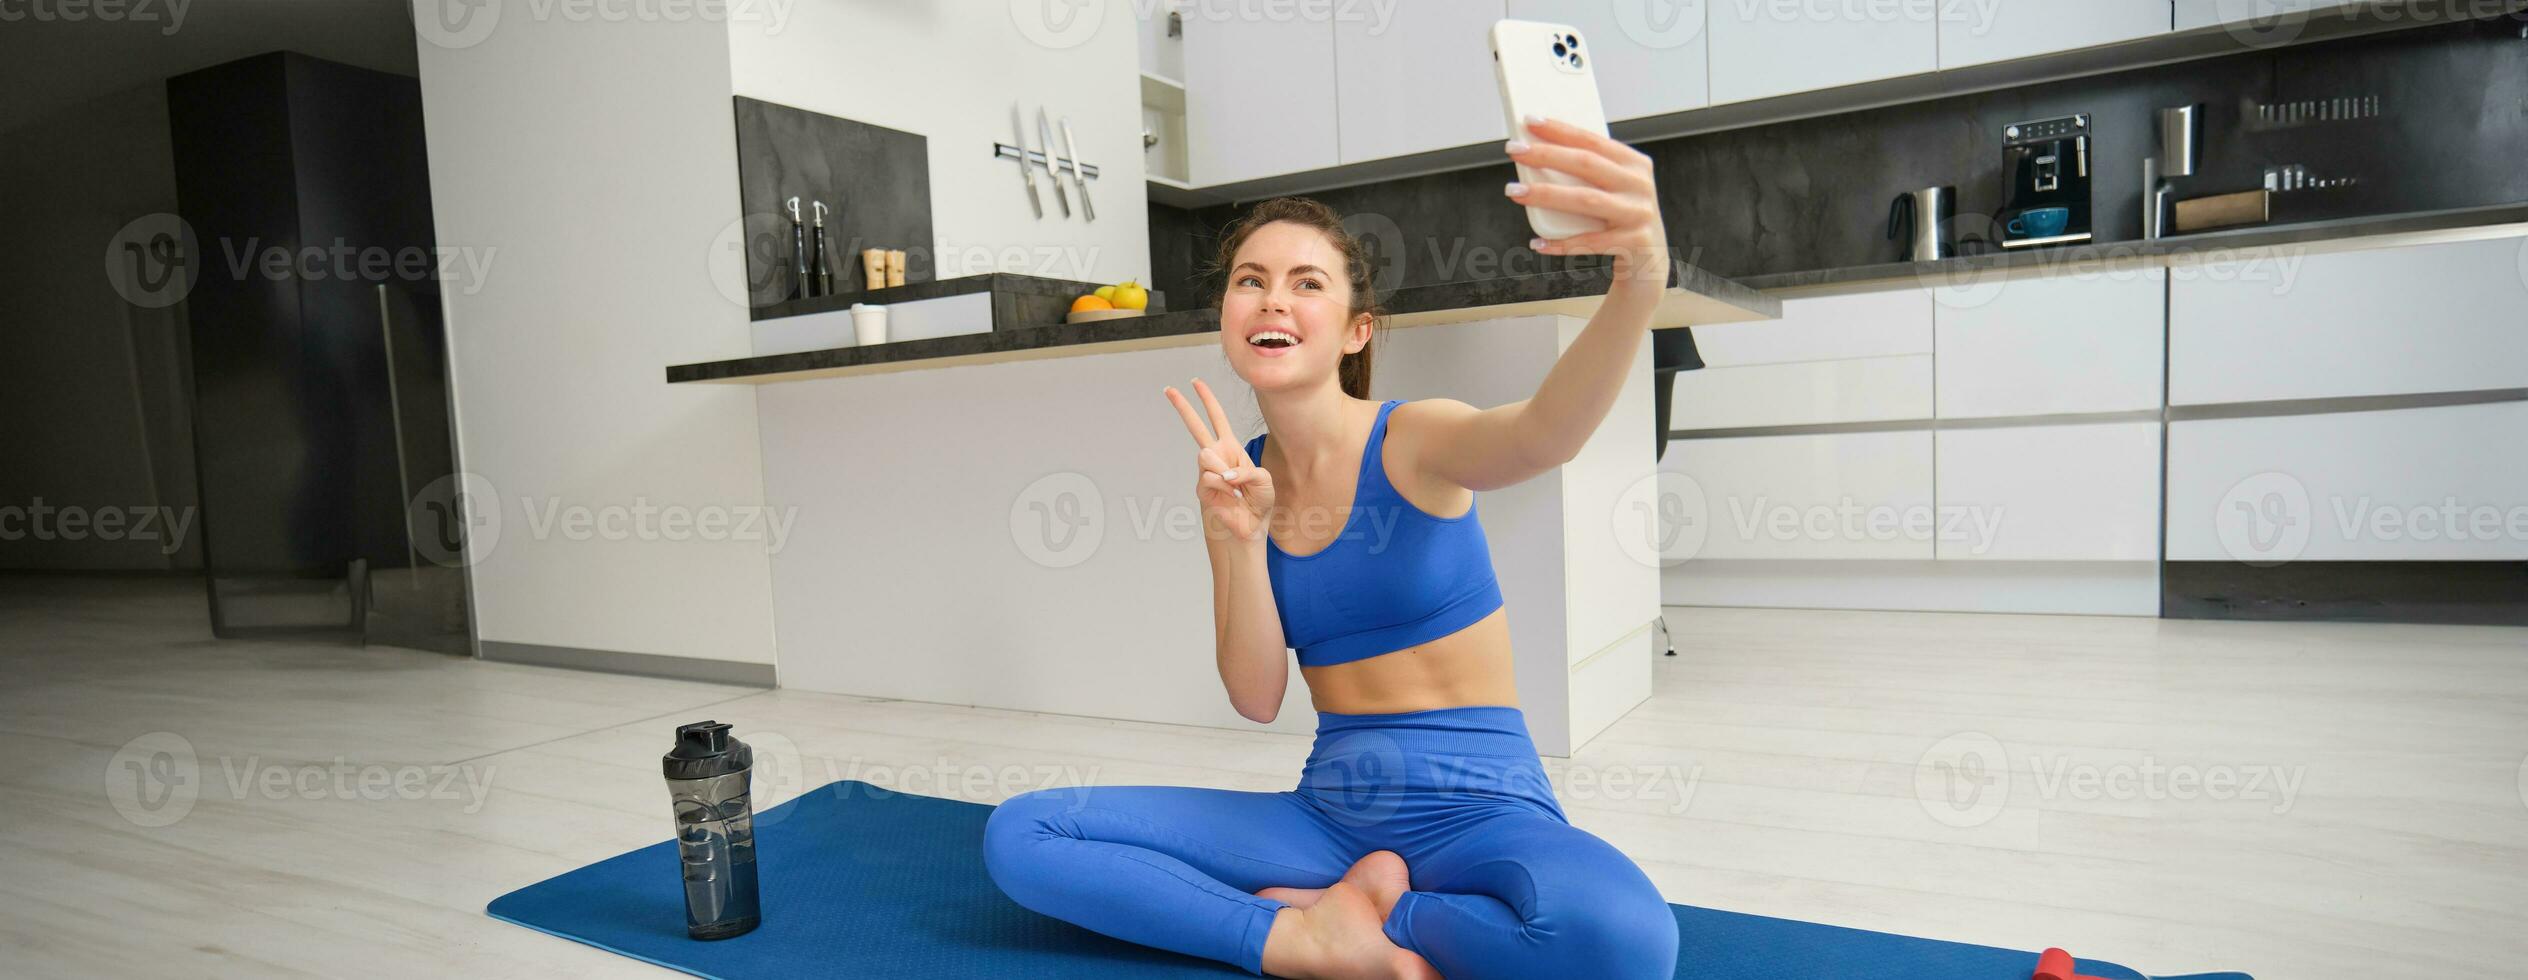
1694,295
994,282
2196,244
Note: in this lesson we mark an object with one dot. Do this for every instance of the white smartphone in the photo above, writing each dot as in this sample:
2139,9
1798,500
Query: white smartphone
1544,71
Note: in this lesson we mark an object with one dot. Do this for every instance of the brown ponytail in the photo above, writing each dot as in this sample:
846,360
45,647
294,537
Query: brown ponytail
1353,372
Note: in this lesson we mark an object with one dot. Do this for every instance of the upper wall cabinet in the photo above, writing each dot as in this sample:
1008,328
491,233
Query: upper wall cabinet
1162,54
1420,78
2000,30
1651,58
1763,48
1260,95
2280,14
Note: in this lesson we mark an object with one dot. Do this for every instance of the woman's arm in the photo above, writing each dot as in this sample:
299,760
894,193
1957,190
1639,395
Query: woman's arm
1247,638
1237,499
1485,449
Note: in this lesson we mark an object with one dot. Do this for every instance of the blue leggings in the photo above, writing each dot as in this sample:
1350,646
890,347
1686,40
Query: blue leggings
1503,884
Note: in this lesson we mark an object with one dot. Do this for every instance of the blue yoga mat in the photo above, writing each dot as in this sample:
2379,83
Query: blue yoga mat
862,881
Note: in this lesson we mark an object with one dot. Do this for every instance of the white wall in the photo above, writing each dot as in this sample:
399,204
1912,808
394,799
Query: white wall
593,164
951,72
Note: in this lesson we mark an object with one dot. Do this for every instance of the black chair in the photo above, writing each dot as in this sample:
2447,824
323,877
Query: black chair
1671,351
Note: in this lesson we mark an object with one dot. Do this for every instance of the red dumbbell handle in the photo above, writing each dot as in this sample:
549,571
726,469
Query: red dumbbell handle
2055,964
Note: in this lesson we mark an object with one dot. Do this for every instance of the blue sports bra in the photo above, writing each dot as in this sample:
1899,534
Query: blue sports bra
1394,577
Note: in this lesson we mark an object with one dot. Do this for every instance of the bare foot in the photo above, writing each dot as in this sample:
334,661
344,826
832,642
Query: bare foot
1340,934
1383,876
1381,873
1294,897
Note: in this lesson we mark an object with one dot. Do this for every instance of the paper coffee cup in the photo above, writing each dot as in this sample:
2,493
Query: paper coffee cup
868,324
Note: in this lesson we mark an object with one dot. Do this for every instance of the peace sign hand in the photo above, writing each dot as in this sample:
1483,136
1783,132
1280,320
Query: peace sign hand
1237,495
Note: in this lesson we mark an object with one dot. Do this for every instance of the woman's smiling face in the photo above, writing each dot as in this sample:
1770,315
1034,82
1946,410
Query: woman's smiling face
1286,316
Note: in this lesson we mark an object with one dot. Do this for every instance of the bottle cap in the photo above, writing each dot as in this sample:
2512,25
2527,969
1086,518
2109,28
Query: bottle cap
703,750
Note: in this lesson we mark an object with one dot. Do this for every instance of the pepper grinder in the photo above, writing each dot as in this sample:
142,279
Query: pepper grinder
822,267
798,254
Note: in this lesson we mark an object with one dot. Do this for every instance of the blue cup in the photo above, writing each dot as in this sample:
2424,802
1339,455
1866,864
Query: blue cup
2041,222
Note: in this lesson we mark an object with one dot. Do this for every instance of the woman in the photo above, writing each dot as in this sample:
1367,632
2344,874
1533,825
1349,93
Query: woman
1423,839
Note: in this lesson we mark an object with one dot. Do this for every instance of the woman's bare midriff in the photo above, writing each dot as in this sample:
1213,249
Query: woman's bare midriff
1469,667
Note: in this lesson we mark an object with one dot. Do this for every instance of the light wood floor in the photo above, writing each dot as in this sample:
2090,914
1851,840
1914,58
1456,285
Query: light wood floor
2373,819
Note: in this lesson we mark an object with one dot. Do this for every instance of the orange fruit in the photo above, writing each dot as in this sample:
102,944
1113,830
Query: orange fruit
1090,303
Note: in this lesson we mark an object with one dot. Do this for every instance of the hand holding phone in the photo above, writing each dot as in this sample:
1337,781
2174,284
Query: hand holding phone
1585,193
1543,73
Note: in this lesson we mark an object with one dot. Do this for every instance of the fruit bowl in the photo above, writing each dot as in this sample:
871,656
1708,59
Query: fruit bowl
1115,302
1086,316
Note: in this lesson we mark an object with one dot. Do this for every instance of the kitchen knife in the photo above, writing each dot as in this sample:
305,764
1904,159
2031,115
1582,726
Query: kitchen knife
1044,128
1077,176
1018,122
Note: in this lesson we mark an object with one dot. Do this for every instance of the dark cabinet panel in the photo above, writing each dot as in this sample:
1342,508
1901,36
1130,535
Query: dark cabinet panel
321,408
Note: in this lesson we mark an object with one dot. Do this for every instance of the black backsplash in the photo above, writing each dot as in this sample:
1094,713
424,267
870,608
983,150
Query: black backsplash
1813,193
875,183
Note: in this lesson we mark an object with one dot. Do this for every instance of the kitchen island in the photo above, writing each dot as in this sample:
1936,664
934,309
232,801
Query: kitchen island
1007,518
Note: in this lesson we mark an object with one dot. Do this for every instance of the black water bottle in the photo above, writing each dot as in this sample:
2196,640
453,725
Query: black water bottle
708,777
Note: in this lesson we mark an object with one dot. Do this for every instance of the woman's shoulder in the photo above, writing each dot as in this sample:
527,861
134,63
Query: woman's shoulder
1423,413
1405,456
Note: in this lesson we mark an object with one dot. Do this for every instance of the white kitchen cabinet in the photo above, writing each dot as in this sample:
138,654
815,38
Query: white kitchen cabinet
1885,323
2423,318
1860,389
1650,58
2000,30
1259,95
1419,78
1858,357
2050,493
1841,495
2441,483
1764,48
1161,55
2192,14
2052,345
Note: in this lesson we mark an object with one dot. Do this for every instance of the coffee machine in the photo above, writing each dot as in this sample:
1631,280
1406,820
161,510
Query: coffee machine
2047,165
